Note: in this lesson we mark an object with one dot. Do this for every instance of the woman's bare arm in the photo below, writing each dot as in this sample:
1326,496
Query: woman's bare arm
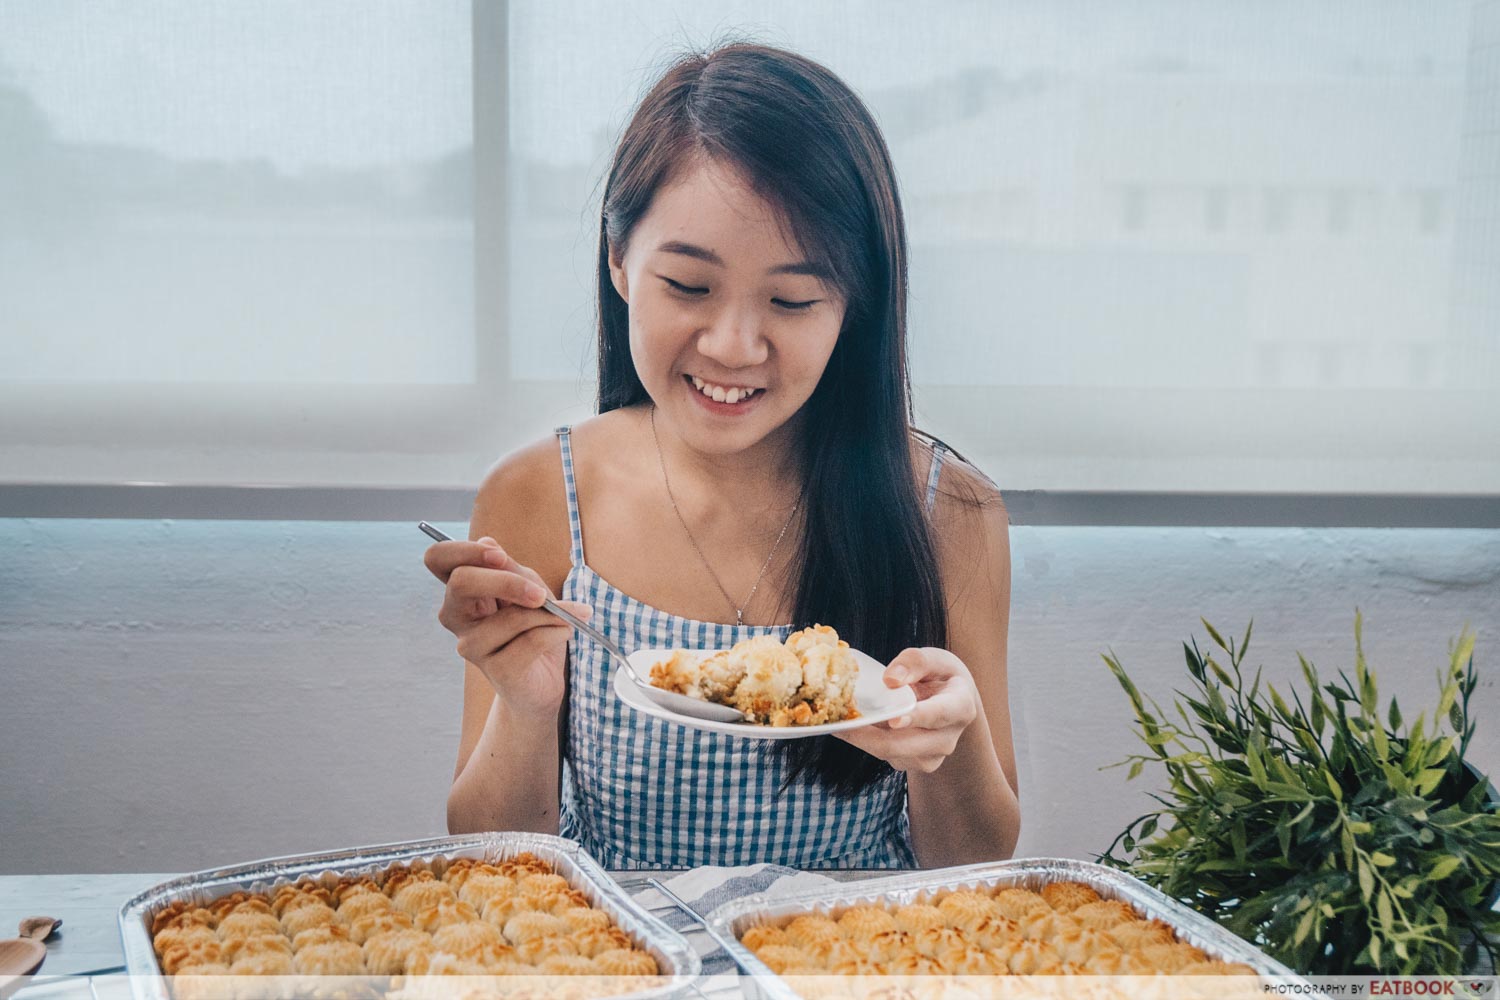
968,809
508,772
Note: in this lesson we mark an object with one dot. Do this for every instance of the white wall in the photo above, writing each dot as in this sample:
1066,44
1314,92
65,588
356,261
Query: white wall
177,695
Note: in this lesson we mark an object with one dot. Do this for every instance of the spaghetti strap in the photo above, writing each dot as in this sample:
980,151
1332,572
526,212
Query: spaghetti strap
934,471
575,523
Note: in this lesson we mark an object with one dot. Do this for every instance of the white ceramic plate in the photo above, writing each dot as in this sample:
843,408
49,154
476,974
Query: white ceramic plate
875,701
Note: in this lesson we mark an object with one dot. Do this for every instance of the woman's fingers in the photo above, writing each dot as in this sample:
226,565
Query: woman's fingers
918,750
485,638
923,738
443,558
945,691
502,585
920,666
474,593
943,709
884,741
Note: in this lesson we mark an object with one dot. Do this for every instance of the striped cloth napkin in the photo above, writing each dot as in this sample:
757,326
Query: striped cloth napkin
706,889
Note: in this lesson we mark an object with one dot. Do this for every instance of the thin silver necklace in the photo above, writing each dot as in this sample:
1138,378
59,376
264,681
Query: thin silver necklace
739,610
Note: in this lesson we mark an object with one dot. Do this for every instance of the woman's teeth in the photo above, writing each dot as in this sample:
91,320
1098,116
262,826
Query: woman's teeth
723,394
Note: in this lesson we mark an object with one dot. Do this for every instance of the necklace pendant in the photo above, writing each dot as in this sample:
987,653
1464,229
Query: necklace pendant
739,617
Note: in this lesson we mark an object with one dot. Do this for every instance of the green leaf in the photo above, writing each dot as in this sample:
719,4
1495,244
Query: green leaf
1219,639
1381,743
1216,704
1366,881
1194,662
1287,775
1253,762
1407,805
1443,867
1439,750
1430,779
1383,913
1287,790
1135,770
1395,715
1304,927
1278,703
1382,860
1446,703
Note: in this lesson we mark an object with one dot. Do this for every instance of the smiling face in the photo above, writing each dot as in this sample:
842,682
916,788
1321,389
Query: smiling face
730,325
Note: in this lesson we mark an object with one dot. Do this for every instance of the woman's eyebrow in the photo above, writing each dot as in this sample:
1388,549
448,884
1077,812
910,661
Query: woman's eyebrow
708,256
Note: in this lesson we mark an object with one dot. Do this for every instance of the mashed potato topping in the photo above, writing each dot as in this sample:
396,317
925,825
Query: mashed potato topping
807,681
1065,929
413,920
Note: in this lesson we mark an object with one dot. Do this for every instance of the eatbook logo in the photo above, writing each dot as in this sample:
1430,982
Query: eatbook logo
1417,987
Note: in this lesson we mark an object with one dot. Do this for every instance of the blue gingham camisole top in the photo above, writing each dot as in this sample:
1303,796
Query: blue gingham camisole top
640,792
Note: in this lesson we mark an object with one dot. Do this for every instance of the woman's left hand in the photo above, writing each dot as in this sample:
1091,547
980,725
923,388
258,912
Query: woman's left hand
947,702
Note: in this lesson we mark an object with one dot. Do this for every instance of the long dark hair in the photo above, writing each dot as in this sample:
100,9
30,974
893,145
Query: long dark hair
809,146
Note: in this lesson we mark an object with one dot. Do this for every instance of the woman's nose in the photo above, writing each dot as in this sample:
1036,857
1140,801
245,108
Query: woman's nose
734,339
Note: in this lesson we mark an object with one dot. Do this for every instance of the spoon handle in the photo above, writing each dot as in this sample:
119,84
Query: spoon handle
609,644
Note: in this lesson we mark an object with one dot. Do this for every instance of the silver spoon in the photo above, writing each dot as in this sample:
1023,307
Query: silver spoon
679,703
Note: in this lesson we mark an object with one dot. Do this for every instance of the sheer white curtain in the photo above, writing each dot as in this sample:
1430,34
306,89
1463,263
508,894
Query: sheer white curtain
236,240
1182,246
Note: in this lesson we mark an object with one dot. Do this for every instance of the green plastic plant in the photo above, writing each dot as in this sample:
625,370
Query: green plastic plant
1320,828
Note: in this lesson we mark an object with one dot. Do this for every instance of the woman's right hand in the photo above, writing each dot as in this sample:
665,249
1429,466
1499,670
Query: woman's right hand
493,605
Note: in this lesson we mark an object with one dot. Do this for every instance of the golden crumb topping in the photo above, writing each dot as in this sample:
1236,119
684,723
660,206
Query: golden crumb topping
515,916
1065,897
1064,929
387,953
303,918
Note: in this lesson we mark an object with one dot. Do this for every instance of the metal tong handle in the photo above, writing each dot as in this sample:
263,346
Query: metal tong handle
702,921
610,646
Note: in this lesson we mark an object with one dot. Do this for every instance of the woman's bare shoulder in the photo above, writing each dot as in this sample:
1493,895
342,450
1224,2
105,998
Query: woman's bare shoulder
971,526
609,448
961,488
608,431
522,504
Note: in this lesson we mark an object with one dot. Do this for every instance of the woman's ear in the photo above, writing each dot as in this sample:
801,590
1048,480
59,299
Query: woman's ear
617,275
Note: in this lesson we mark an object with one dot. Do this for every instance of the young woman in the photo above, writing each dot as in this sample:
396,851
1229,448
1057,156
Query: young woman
751,469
